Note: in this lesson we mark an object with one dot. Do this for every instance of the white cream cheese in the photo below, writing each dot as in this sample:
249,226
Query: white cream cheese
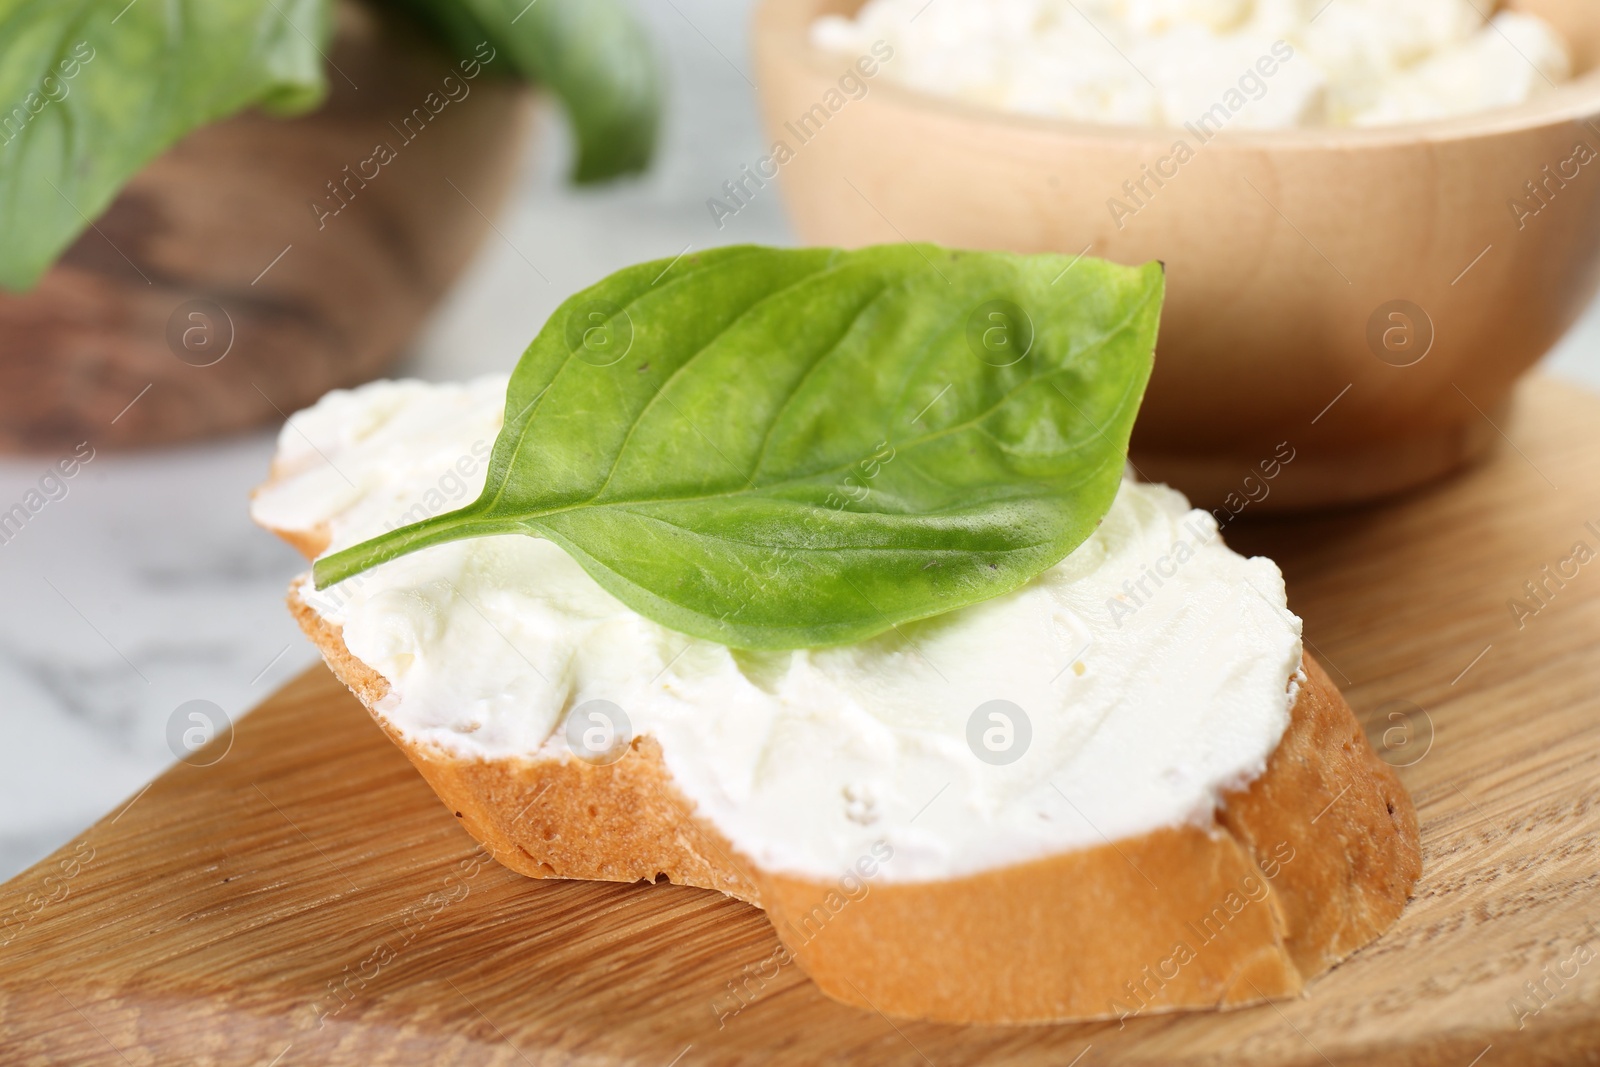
1172,62
1154,666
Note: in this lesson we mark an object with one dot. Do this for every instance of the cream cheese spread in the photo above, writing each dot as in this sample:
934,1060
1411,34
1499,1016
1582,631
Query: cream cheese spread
1140,678
1266,63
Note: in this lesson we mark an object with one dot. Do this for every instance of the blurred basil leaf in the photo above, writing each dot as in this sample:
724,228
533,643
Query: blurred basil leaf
591,54
92,90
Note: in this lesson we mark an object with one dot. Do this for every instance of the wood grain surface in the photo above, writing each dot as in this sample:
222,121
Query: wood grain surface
305,899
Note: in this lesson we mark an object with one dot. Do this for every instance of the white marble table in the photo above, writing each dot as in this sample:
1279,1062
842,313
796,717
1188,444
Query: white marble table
146,586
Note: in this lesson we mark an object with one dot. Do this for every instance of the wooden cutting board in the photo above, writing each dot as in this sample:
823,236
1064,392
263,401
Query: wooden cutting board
306,900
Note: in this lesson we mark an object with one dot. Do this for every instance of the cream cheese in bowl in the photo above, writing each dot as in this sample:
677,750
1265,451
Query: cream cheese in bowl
1269,63
1136,681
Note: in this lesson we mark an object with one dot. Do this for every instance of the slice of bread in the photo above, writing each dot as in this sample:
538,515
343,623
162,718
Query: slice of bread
1314,859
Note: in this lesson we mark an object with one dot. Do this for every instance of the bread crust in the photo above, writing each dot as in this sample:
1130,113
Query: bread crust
1315,858
1312,860
549,817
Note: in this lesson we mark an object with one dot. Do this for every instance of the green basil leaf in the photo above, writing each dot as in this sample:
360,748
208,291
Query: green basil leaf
91,90
591,54
790,448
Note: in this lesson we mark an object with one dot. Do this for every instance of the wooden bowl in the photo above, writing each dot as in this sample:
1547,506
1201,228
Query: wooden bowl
1379,271
210,296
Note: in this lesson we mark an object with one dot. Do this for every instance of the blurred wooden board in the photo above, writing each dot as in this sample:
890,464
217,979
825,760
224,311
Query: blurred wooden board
209,921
